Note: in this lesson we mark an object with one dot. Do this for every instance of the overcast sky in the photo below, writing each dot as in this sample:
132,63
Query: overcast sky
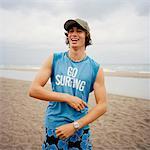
31,29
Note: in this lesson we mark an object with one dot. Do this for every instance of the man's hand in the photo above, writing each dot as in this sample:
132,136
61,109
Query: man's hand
76,103
65,131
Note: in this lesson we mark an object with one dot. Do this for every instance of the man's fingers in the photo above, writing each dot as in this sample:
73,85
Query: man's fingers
78,109
57,131
63,137
60,134
81,106
85,104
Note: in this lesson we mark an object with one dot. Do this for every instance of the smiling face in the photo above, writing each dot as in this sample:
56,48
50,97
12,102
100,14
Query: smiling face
76,37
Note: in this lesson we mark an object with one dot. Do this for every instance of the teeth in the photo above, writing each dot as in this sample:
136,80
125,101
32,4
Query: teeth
74,39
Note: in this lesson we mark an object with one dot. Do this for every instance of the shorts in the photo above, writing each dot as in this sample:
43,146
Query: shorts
80,140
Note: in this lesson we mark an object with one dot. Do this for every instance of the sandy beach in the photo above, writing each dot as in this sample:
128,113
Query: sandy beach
125,126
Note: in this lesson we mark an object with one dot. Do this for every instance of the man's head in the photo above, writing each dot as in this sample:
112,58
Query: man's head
81,25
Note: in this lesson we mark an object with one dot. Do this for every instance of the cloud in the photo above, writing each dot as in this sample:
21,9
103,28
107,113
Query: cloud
117,27
24,4
142,7
96,9
27,6
123,27
93,9
104,9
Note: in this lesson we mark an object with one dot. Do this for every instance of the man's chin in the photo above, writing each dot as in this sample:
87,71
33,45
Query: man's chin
74,45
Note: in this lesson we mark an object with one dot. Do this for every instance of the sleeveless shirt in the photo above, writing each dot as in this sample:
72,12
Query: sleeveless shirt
74,78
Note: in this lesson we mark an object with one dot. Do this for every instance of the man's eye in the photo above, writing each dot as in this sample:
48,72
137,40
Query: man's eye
79,30
70,30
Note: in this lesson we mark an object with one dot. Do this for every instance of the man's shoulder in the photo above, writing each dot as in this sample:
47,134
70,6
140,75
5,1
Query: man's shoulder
93,62
58,55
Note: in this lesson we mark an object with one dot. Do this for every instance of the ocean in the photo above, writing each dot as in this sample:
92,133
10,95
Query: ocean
128,67
113,67
127,86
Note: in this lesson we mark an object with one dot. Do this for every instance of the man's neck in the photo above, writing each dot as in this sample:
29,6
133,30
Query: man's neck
77,55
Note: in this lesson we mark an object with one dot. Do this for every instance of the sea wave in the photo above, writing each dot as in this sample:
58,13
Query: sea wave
107,72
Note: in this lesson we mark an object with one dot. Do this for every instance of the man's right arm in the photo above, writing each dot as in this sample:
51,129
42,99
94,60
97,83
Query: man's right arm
37,91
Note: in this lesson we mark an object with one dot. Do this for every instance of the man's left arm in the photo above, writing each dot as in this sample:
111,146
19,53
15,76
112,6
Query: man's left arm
101,101
67,130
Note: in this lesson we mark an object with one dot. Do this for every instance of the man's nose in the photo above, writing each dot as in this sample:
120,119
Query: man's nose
74,33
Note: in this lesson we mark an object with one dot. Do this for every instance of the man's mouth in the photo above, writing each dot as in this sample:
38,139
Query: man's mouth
74,39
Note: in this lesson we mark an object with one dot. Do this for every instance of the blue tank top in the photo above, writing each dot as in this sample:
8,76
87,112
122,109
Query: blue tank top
74,78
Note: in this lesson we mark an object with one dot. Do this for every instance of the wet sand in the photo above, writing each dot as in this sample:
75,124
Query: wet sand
125,126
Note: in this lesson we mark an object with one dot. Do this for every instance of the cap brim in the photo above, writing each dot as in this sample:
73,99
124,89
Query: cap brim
70,23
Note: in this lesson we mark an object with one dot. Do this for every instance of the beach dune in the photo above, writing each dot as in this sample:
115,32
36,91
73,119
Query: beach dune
125,125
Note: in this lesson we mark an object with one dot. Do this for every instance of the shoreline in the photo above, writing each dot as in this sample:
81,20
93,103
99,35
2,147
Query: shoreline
119,95
133,74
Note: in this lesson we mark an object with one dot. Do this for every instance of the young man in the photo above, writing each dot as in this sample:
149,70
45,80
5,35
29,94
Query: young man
73,76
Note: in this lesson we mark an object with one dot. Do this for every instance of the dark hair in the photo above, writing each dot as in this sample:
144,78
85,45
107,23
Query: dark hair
88,40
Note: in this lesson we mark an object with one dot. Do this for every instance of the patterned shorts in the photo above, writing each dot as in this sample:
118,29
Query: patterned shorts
80,140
